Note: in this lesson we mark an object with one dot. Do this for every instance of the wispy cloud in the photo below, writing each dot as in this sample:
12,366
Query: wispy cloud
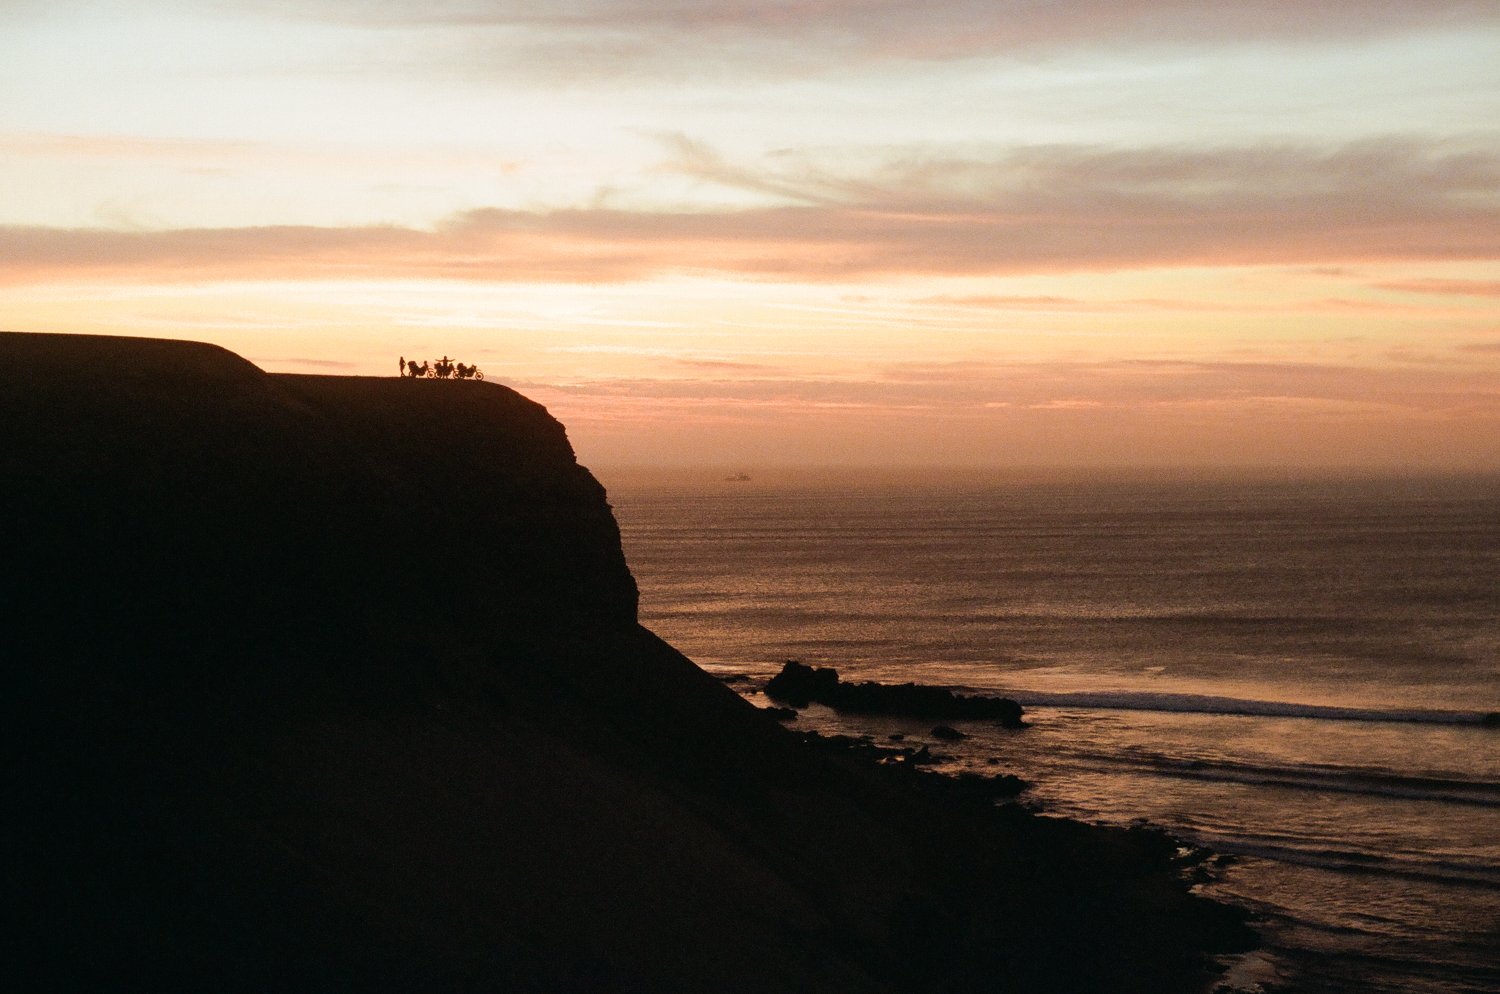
1454,288
1036,209
309,363
724,366
593,37
1055,304
1099,386
122,146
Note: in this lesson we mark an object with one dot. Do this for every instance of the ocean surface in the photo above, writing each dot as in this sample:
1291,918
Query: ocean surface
1293,674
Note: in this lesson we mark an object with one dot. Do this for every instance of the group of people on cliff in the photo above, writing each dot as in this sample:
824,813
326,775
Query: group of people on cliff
442,369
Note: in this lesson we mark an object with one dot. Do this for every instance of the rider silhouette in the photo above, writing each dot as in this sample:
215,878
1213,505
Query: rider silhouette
444,369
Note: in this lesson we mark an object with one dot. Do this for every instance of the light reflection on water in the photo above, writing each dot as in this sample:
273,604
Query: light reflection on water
1359,889
1373,848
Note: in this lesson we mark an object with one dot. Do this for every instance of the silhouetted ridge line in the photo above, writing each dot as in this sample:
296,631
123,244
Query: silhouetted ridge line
335,683
176,488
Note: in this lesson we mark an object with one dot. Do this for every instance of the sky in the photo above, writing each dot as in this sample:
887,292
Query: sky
974,233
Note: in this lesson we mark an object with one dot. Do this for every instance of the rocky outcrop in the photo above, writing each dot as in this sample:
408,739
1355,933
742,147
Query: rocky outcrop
319,683
799,685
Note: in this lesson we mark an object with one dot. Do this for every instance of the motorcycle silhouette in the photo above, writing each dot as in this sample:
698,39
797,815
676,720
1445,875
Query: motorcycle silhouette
443,369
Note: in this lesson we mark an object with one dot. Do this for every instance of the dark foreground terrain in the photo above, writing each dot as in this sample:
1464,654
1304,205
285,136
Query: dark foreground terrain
319,683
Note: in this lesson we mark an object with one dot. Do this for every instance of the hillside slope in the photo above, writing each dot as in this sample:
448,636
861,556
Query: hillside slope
336,683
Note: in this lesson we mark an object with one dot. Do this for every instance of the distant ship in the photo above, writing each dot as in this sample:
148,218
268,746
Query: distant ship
738,478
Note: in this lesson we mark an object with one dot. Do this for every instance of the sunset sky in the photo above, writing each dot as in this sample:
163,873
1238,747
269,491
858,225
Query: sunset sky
750,233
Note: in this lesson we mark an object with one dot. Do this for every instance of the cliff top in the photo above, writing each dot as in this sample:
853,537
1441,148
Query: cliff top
335,683
195,486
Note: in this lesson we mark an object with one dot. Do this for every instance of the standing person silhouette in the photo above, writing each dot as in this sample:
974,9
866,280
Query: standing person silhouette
403,365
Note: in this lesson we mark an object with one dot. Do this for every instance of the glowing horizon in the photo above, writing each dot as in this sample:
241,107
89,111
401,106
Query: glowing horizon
758,233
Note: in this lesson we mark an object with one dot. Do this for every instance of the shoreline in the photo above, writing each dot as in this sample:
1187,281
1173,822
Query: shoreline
1237,871
276,737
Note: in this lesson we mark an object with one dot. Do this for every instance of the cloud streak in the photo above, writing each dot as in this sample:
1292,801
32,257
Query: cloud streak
1030,210
1049,411
600,37
1266,392
1451,288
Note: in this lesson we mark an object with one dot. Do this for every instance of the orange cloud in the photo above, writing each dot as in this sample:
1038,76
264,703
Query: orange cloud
1125,385
1457,288
590,39
1045,209
1325,305
1081,414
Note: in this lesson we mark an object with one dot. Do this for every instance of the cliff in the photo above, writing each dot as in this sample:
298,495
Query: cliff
336,683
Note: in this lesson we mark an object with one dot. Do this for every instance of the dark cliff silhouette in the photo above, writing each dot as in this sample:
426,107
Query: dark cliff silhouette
323,683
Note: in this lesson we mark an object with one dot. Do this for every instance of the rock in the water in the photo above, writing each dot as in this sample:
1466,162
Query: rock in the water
799,685
333,681
948,733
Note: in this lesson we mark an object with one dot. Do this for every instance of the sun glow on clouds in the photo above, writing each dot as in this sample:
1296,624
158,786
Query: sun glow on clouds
778,232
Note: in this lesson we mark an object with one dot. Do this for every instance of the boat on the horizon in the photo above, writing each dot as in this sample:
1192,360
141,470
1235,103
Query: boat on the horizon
737,478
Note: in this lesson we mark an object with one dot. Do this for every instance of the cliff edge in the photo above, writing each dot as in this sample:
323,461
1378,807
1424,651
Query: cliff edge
326,683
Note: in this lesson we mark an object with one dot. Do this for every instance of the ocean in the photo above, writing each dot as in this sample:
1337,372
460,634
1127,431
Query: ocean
1292,673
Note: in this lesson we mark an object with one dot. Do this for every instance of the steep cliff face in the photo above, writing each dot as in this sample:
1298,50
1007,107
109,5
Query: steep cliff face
261,508
336,683
320,683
